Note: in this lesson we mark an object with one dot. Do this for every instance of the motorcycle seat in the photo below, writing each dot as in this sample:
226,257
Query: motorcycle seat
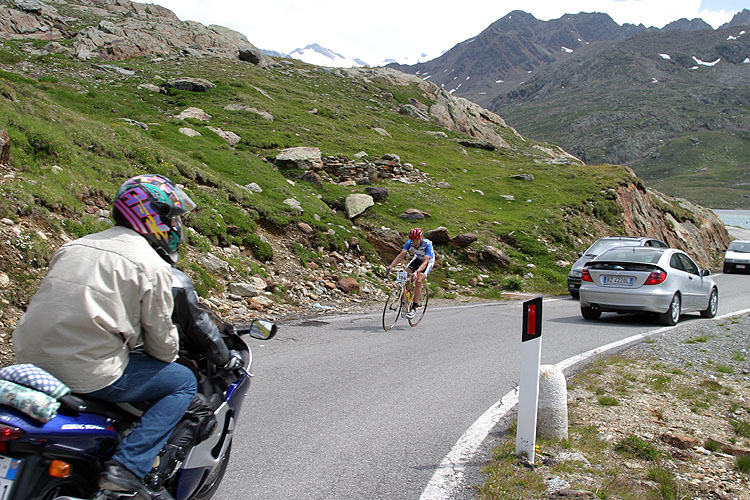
85,404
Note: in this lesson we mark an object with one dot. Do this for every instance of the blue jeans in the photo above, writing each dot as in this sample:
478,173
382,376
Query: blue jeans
170,386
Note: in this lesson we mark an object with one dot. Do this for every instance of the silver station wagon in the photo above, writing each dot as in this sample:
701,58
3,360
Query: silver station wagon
665,281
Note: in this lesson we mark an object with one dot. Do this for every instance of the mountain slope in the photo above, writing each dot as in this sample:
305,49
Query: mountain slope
511,49
674,105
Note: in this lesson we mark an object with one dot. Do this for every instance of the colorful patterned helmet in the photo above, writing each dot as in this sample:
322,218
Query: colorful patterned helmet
416,233
152,205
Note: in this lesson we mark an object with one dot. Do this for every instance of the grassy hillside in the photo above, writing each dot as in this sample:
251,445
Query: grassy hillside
71,148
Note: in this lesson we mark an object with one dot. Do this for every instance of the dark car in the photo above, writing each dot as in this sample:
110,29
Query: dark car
599,246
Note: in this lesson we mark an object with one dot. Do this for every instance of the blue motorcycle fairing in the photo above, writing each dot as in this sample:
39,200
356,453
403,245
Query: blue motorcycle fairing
87,433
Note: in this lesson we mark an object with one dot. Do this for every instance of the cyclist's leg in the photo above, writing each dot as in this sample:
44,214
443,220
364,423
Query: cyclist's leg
413,266
421,279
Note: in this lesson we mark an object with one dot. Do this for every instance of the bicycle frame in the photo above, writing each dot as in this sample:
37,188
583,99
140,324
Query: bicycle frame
399,301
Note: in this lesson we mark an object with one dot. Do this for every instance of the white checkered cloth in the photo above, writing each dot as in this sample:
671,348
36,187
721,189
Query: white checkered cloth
34,377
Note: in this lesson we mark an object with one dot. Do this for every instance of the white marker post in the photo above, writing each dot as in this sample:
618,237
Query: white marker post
528,386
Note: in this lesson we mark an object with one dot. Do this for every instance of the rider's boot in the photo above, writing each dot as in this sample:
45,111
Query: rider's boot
118,478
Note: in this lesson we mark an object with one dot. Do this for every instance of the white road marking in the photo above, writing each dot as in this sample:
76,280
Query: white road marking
449,475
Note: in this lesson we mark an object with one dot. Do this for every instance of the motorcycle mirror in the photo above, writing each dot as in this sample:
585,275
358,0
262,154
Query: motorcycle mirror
262,329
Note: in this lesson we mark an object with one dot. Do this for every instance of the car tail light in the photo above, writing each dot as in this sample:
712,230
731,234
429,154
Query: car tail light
656,277
586,276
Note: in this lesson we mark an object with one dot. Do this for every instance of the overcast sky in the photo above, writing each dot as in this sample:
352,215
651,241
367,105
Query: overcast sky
404,29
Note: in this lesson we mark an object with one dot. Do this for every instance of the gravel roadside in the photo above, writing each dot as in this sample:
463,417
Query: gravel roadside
668,418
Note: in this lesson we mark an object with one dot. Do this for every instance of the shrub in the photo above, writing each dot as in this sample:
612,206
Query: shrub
742,463
637,448
668,488
513,283
608,401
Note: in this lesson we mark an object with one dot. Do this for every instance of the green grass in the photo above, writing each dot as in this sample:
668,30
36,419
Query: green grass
742,463
97,151
668,487
636,447
608,401
741,427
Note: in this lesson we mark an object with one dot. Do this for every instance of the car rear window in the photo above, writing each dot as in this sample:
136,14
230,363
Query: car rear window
602,245
643,255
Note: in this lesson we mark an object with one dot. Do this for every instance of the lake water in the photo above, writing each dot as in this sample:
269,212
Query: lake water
737,218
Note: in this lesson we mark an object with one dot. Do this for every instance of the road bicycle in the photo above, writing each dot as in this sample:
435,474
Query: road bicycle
399,300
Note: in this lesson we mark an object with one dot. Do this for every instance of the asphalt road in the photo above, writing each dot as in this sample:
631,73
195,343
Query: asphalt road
340,409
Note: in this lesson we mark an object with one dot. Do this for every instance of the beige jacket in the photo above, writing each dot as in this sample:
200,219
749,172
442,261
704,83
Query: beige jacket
103,294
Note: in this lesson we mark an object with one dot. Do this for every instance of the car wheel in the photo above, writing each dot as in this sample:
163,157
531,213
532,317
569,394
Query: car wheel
591,312
672,316
713,305
575,294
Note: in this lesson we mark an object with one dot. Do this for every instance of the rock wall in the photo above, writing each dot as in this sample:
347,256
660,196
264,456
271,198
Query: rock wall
680,223
119,29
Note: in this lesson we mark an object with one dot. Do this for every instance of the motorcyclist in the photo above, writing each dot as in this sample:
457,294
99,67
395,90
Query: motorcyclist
104,295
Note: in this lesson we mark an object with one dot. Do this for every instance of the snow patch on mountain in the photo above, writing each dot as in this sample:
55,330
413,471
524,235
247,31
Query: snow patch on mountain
321,56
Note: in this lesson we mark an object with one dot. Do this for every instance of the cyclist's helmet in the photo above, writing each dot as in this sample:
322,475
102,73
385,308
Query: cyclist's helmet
152,205
416,233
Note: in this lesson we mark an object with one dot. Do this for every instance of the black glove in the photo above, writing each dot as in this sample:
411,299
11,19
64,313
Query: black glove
235,361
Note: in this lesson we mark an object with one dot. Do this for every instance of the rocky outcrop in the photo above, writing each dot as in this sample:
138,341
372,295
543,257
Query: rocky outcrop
681,224
454,113
4,147
122,29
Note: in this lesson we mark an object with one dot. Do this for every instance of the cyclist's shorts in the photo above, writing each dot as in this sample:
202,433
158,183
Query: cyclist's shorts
414,264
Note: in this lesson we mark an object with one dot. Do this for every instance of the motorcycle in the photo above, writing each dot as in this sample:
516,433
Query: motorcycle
62,458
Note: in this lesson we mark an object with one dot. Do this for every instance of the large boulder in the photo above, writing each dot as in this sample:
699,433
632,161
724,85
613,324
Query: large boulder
463,240
414,214
356,203
438,235
387,242
377,193
347,285
300,157
195,113
495,256
4,148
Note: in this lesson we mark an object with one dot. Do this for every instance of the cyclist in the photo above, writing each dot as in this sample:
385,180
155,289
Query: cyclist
419,266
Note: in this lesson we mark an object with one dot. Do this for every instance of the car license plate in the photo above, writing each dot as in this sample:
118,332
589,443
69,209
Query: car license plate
618,280
8,470
740,266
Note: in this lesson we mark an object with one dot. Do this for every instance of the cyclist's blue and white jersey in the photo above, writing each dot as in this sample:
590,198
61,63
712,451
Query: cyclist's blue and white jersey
420,252
425,248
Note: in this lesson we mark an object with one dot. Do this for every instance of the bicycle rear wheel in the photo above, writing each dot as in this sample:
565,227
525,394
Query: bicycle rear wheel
392,309
421,310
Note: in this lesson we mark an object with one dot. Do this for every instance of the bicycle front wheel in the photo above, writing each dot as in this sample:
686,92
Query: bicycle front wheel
421,310
392,309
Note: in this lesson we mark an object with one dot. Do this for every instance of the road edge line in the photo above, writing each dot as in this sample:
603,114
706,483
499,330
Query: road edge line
450,473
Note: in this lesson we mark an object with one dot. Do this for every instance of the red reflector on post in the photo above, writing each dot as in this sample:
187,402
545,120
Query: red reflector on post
531,328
